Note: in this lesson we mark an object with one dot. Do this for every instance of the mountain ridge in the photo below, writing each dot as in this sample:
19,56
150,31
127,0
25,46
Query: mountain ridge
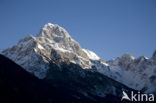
53,43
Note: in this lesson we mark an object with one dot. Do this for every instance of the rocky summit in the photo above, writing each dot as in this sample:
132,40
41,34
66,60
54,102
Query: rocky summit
52,43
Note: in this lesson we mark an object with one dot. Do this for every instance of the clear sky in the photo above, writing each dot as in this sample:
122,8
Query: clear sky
110,28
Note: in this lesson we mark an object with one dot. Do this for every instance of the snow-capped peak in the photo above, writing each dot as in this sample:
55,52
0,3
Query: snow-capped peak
52,43
54,31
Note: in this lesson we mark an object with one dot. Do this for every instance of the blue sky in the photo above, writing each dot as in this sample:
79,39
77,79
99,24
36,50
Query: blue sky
110,28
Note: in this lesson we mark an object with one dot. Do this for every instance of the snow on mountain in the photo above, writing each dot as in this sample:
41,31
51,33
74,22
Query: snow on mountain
139,73
53,43
91,54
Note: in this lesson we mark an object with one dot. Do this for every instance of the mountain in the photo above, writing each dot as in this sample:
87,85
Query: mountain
52,43
54,46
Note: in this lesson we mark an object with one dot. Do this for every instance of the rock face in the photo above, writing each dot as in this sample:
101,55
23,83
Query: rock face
54,45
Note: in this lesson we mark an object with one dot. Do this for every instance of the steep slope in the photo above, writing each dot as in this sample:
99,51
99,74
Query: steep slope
18,86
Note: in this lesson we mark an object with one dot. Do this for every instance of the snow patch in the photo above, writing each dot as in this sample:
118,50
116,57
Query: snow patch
91,54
